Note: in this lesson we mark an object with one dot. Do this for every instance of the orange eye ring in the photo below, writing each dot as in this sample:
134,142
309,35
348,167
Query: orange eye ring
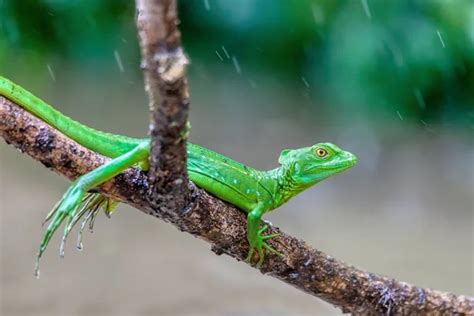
321,152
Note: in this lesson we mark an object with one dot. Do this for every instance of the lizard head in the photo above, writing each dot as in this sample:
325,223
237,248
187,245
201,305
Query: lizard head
310,165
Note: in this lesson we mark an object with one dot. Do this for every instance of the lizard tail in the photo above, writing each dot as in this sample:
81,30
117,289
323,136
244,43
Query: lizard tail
110,145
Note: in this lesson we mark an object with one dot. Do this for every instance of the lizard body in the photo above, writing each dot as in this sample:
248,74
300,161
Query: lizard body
253,191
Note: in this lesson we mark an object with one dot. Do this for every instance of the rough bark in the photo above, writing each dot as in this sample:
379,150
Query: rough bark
164,66
223,226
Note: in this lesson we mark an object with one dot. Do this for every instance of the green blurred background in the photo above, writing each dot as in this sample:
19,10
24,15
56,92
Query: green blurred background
392,81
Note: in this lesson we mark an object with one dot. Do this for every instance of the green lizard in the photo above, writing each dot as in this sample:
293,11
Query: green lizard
253,191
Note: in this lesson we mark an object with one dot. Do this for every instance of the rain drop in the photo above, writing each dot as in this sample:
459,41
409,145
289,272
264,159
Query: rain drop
118,60
37,269
440,38
400,116
366,8
61,247
236,65
318,14
51,73
219,55
206,5
305,82
419,98
225,52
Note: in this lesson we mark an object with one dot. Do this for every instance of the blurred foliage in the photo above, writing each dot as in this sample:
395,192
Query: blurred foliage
372,57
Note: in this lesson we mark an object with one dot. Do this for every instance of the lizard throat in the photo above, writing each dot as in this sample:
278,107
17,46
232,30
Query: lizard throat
286,185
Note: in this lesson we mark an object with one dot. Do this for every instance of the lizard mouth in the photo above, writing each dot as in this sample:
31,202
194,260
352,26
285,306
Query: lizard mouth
341,167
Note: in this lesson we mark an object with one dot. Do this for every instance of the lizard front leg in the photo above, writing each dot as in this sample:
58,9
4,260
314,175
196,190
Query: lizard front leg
255,235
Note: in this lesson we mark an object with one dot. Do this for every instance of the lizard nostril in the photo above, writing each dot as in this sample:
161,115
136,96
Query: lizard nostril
351,158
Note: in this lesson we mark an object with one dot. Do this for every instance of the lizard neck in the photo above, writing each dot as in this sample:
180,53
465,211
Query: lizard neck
285,186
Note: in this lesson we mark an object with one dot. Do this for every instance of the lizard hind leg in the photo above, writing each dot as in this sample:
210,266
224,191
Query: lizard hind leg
76,201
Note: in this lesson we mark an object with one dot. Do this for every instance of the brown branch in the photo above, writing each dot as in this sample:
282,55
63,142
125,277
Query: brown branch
223,226
164,65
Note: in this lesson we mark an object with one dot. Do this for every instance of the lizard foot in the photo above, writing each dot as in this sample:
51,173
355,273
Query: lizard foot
92,207
74,204
258,244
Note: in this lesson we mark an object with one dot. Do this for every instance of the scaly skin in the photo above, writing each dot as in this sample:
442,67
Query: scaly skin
253,191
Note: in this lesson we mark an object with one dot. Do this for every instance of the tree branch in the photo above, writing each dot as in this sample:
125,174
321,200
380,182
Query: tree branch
223,226
164,65
190,209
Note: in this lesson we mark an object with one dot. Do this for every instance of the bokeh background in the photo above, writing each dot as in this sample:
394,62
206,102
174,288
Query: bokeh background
392,81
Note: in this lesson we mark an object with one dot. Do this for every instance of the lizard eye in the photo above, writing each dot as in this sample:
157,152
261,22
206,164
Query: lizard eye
321,153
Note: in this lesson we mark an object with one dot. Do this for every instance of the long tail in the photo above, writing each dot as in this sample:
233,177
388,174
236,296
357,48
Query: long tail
107,144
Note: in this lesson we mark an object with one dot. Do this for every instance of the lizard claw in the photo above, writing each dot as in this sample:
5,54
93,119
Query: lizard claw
64,210
258,244
74,204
